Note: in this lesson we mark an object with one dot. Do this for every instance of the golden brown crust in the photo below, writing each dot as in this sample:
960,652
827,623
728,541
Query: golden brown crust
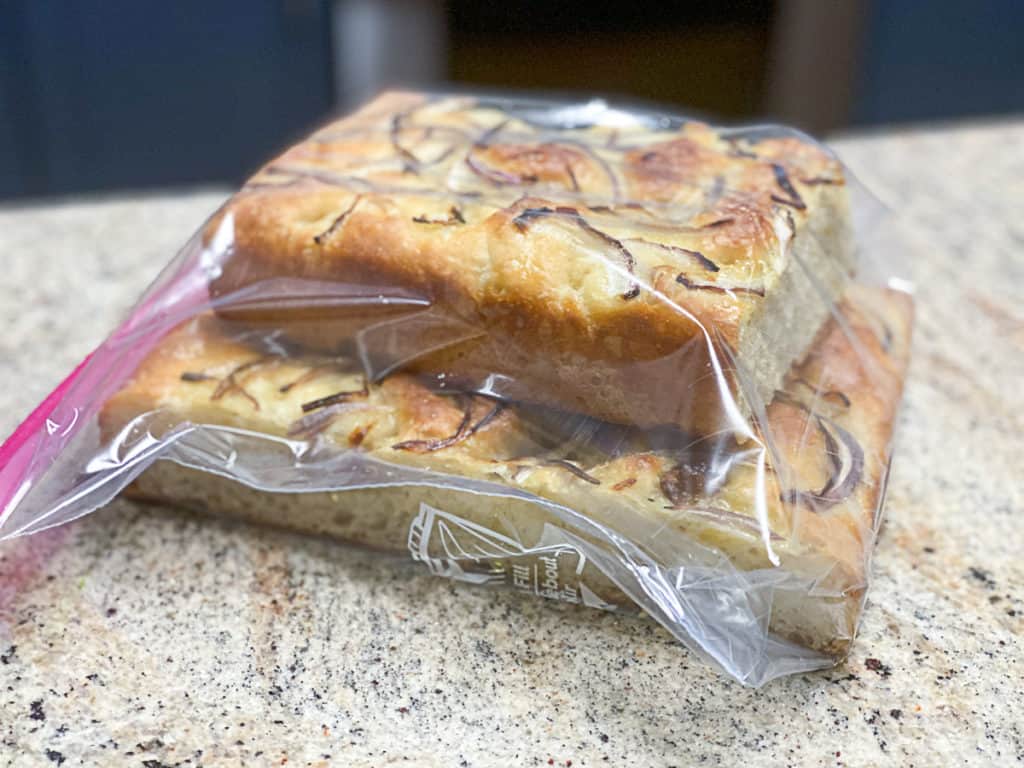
819,487
605,247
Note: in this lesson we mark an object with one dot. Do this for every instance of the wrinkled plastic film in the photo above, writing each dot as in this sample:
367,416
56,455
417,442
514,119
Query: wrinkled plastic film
710,485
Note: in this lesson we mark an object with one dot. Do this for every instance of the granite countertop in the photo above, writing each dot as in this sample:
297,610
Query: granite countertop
146,638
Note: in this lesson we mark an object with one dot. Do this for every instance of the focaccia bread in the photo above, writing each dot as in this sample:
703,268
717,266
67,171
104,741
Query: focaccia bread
805,506
632,270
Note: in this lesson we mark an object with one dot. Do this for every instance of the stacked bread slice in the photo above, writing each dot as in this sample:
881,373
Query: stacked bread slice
550,336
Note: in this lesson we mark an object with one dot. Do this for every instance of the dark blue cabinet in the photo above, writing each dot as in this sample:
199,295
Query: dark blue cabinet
105,94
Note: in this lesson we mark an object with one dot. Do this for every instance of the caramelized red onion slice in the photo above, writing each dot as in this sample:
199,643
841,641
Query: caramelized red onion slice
258,185
506,178
490,416
230,383
305,378
524,217
572,469
687,482
847,471
609,172
410,161
846,463
495,175
484,139
436,444
696,256
657,221
832,454
816,180
792,198
572,176
713,224
682,279
334,399
464,431
835,394
365,185
454,217
329,178
326,234
373,131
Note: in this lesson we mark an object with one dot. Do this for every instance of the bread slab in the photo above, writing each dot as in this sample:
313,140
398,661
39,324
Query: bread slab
811,517
633,271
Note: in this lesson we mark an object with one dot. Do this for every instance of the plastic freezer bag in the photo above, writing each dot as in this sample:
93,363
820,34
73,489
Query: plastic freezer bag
614,358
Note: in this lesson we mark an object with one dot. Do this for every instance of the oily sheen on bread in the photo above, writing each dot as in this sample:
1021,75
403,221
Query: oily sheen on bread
808,511
635,271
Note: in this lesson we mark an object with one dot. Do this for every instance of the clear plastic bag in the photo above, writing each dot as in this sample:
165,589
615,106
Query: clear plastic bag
613,358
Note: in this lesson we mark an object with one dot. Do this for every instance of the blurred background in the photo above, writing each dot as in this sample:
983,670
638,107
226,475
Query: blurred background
106,95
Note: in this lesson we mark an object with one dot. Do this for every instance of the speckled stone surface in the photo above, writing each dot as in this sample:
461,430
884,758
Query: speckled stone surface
156,638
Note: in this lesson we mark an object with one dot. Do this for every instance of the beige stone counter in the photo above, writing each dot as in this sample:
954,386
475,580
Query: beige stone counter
151,639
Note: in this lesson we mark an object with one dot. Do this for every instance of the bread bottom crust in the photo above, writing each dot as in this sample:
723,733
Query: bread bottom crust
382,519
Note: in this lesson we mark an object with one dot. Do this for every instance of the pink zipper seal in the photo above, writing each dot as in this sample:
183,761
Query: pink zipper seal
16,453
27,454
